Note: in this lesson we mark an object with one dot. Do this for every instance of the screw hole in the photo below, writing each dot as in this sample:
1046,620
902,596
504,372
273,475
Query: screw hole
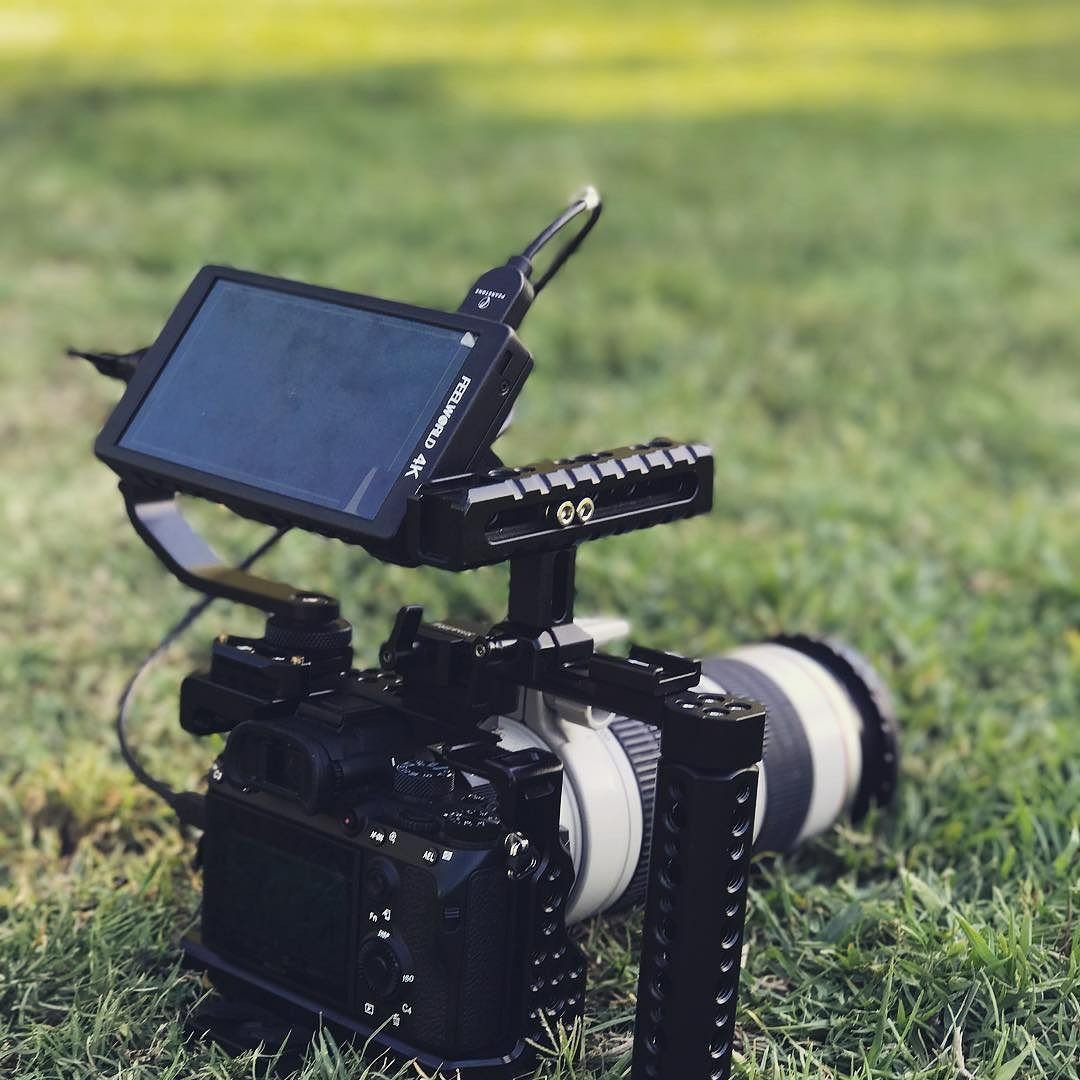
665,932
718,1048
671,874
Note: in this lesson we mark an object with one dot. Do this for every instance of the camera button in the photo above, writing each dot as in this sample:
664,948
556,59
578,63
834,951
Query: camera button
380,880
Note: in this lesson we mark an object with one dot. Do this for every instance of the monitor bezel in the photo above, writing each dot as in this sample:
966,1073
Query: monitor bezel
497,366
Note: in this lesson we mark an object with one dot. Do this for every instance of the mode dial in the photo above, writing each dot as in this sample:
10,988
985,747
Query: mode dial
430,781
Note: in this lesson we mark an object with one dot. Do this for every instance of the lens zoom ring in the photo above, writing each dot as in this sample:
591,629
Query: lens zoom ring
789,766
641,742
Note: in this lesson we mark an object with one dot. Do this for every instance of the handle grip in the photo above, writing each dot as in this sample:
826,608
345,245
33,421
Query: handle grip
695,906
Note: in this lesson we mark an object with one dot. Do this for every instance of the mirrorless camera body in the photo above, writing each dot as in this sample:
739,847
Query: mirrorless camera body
399,852
398,905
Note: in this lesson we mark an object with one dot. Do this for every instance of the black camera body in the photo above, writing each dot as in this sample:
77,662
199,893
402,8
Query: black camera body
378,888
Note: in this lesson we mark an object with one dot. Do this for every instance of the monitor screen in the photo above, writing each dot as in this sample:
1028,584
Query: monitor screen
303,397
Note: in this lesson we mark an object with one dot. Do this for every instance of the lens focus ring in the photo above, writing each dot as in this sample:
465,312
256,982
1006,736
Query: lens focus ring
641,743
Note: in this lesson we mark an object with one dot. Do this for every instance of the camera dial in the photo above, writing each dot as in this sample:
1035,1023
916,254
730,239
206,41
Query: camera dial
425,781
380,964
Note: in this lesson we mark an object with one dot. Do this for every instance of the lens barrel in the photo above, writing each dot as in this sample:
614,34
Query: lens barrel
831,750
831,744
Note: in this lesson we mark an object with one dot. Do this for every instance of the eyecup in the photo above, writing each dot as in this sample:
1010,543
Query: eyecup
880,730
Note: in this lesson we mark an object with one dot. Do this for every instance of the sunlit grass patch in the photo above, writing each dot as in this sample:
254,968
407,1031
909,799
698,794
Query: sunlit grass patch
570,59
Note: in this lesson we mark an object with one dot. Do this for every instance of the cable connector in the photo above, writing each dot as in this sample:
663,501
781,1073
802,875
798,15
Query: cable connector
190,808
506,293
116,365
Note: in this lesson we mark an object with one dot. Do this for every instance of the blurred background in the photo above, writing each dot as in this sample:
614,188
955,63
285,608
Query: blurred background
840,243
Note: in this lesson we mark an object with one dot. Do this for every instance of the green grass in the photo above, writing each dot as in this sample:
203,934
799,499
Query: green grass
841,244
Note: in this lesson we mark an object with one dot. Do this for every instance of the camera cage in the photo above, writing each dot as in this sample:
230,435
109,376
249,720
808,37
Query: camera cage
534,517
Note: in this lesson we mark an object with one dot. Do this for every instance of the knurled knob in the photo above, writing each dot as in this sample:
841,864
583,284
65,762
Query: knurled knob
293,636
430,781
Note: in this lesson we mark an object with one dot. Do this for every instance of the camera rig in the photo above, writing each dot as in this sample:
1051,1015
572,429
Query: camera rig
445,684
450,681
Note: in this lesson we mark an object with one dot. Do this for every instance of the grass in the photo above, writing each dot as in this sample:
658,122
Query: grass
841,245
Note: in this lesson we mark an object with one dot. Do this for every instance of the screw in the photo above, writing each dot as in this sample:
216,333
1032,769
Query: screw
520,860
565,514
296,660
480,649
585,509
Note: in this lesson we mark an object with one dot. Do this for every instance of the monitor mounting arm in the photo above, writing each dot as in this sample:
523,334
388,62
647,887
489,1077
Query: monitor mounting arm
161,524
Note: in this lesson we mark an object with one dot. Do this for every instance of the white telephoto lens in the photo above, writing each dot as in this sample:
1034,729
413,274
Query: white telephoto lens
830,751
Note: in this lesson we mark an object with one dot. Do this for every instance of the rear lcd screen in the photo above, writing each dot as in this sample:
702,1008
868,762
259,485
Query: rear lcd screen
314,400
278,896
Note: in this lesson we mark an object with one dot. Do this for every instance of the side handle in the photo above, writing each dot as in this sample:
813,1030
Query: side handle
696,901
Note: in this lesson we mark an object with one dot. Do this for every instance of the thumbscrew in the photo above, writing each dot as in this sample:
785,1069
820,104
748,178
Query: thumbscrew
519,857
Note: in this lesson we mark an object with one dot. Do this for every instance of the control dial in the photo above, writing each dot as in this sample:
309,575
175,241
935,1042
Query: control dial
429,781
470,825
380,968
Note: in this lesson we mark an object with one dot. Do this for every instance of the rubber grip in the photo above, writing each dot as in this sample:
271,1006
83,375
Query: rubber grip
694,916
